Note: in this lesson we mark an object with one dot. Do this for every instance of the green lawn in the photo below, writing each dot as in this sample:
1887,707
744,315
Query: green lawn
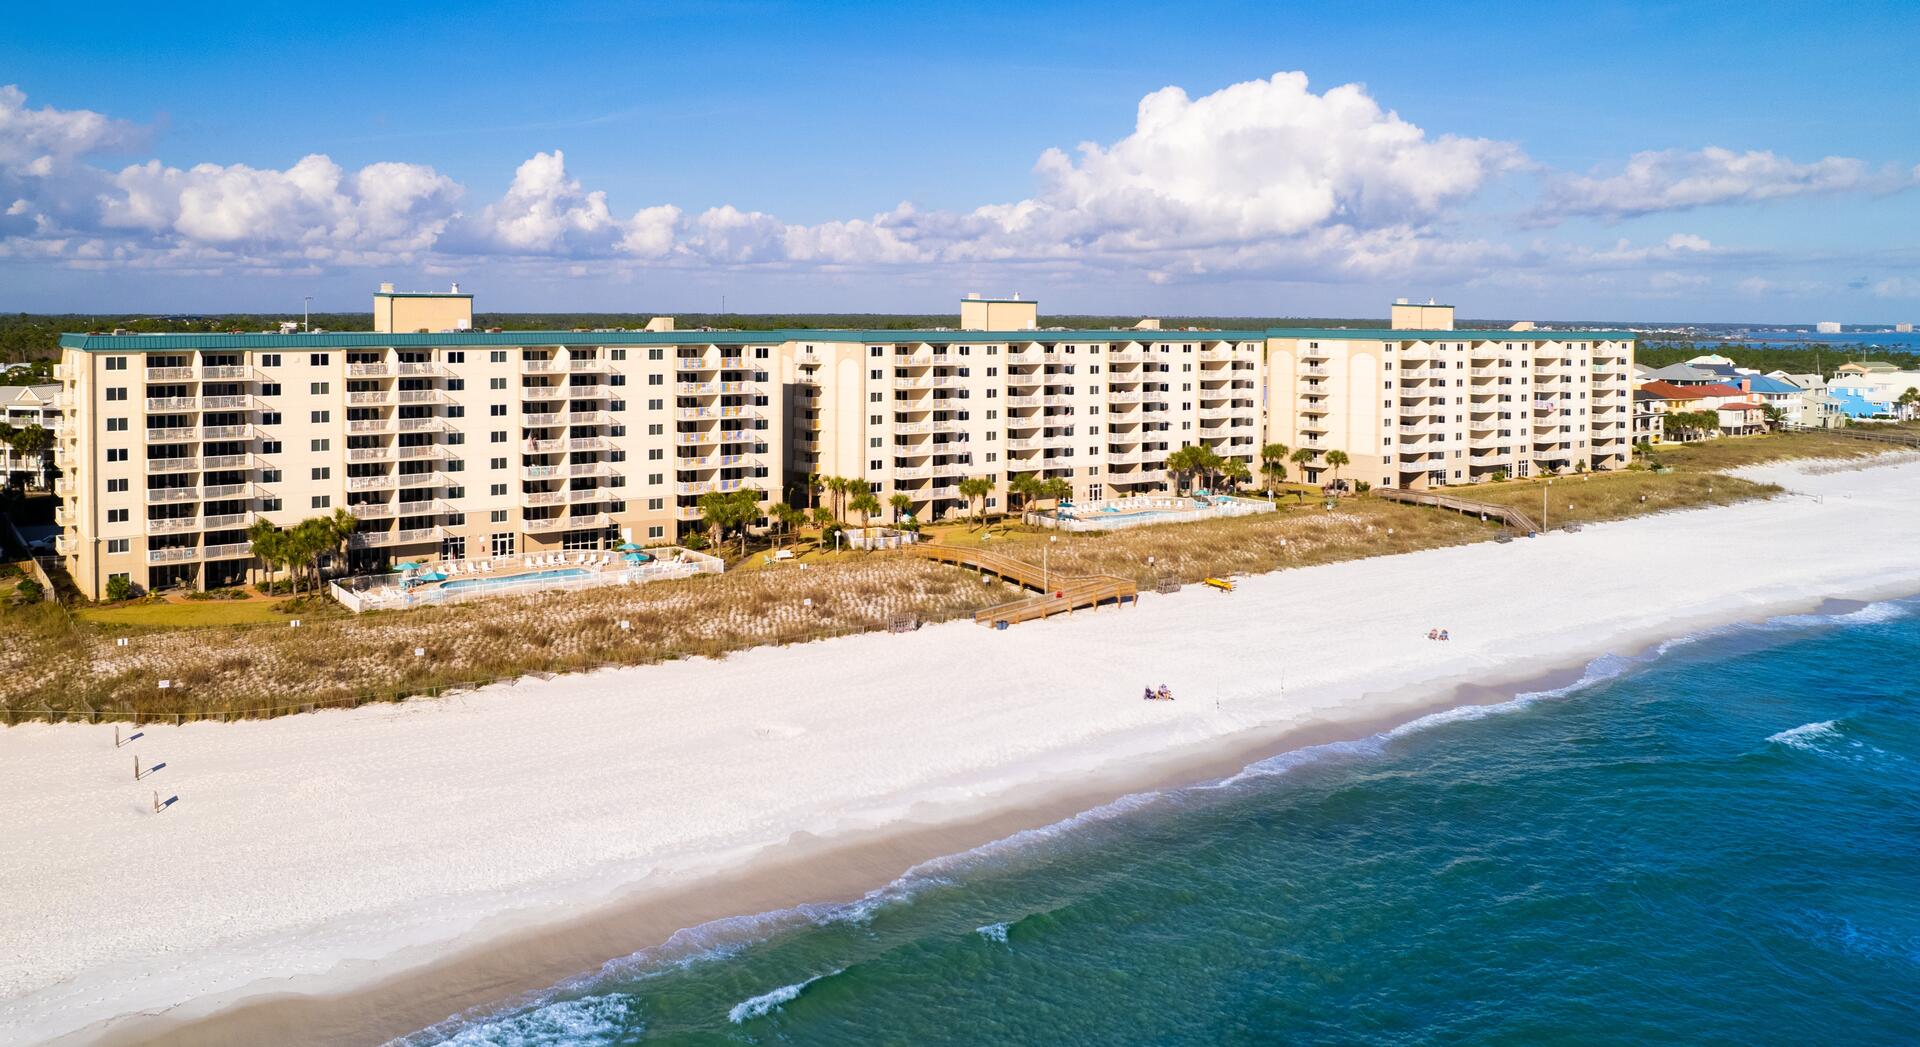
183,615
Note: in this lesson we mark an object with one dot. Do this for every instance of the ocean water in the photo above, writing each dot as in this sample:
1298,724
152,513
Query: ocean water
1717,843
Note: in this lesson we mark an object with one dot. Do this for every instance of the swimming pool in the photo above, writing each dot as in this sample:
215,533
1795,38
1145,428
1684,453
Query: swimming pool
510,580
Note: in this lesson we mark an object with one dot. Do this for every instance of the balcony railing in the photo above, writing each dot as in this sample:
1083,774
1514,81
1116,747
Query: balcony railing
173,465
370,370
170,374
173,403
370,396
178,554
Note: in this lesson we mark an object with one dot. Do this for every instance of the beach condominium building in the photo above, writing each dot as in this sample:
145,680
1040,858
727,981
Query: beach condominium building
441,443
444,441
1431,406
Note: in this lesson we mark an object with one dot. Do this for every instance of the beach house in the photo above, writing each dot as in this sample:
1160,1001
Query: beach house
23,407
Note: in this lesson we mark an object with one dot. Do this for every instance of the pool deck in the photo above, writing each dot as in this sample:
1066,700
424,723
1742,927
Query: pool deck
515,575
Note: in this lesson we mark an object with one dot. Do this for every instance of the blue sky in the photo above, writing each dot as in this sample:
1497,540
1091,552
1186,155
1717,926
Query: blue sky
1623,161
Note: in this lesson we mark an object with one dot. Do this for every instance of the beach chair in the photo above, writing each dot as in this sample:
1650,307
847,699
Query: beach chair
486,566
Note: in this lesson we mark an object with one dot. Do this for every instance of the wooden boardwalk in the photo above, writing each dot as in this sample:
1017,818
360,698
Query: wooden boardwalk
1514,518
1890,437
1056,593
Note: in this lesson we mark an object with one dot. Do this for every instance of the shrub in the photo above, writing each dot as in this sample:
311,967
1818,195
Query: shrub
29,591
118,588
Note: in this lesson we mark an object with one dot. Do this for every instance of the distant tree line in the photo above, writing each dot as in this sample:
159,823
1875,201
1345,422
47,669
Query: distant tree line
1765,358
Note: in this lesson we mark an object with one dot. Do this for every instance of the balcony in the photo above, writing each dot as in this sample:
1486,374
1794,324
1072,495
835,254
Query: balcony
589,392
422,425
175,435
369,454
371,510
170,374
589,365
226,461
1316,369
417,451
173,465
224,432
226,521
419,368
421,396
225,403
531,499
584,495
173,403
415,535
370,539
1119,396
586,520
370,397
411,481
370,483
542,367
180,554
173,525
542,446
221,492
370,370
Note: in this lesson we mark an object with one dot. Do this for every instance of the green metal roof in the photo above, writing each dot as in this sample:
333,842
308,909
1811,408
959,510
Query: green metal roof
155,343
1387,334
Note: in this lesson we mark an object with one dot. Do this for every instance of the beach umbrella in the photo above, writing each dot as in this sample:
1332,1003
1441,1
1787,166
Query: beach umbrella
627,547
410,565
433,576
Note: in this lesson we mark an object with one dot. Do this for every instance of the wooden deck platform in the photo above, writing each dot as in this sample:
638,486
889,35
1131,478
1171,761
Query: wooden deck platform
1056,593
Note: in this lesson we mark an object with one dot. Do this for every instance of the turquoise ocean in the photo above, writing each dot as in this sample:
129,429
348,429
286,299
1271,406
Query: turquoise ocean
1717,842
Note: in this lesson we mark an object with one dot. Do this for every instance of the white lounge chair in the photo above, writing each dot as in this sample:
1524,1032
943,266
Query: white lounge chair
486,566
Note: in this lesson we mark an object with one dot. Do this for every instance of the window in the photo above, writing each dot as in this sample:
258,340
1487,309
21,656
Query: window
498,436
269,447
322,444
317,360
496,463
118,545
116,425
317,388
497,411
655,429
496,490
656,532
116,516
656,405
322,472
654,454
656,379
457,356
656,354
496,383
497,516
116,363
322,501
270,389
456,384
497,356
269,476
116,486
116,392
116,454
319,417
617,354
269,505
656,479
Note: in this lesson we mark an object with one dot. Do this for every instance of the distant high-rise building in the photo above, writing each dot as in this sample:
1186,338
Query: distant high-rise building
1827,327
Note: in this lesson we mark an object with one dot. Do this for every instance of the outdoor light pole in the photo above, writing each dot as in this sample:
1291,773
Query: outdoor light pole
1543,505
306,313
1045,577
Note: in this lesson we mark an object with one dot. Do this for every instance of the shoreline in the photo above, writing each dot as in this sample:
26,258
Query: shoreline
531,948
497,973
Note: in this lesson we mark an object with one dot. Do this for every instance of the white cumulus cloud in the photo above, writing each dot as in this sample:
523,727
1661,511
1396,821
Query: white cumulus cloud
1678,180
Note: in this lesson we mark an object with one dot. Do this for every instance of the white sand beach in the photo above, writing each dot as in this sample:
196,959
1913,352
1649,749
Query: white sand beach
318,852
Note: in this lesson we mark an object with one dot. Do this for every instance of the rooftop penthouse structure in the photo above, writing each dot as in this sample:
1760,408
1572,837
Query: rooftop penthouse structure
444,440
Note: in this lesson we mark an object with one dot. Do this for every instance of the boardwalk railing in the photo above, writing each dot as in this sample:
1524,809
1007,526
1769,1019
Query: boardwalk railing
1508,515
1894,438
1058,593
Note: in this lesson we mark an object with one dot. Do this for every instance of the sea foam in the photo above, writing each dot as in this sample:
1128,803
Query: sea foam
759,1006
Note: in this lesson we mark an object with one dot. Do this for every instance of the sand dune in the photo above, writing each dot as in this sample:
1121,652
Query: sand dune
306,853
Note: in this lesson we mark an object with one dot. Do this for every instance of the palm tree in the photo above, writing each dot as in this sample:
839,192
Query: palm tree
900,503
1233,473
839,486
1028,486
788,516
730,511
1303,457
814,482
1057,489
822,518
866,504
1336,459
1273,467
975,490
264,537
35,441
